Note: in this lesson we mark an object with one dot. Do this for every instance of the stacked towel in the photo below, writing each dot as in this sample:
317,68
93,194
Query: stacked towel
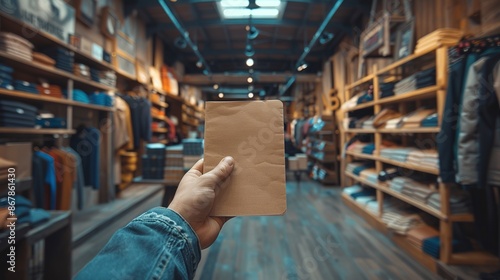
401,221
397,153
6,77
25,86
16,46
17,114
459,202
442,36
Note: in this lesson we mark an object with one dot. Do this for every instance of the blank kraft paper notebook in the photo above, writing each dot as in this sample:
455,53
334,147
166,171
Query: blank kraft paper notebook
253,134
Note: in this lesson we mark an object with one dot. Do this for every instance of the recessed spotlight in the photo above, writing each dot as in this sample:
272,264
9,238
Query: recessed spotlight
199,64
216,86
250,95
249,80
250,62
302,66
221,95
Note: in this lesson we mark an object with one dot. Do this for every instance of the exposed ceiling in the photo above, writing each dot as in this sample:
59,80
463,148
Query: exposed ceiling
222,41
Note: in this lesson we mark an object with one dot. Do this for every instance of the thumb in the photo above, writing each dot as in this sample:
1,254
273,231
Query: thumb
220,173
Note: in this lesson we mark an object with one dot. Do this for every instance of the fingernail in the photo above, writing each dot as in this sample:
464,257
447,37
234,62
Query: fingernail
229,161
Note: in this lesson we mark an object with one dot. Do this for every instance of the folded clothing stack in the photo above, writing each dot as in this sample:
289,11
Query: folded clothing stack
25,86
153,161
368,124
459,202
383,116
387,89
356,147
367,97
366,165
368,149
352,165
81,70
370,175
364,192
24,211
397,153
50,122
418,191
106,77
372,207
415,118
174,164
192,147
432,246
442,36
6,77
43,59
401,221
352,189
4,170
78,95
64,58
417,235
351,103
17,114
427,158
101,98
50,90
393,123
405,85
128,167
430,121
16,46
388,174
157,112
426,78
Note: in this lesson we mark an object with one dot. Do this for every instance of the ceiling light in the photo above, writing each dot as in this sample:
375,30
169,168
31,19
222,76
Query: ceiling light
221,95
253,32
245,3
232,13
250,62
249,51
216,86
268,3
250,95
249,80
199,64
180,43
252,5
325,37
302,66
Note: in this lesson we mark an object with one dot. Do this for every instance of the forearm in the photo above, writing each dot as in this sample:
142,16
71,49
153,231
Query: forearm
158,244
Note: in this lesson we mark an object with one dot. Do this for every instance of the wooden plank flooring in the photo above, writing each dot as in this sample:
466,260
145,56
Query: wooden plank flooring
318,238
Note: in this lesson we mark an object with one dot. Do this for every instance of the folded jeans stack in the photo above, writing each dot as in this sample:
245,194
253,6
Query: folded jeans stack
405,85
415,118
16,46
6,77
153,161
368,149
17,114
459,202
426,78
26,86
64,58
102,99
432,246
430,121
79,95
364,166
106,77
387,89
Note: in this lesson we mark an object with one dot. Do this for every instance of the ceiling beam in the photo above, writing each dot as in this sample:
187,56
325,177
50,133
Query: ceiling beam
241,78
273,22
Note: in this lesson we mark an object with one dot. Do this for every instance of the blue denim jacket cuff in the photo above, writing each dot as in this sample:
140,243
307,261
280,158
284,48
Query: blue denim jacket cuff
179,220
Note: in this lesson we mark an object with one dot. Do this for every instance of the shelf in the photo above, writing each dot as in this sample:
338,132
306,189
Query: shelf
160,104
422,93
38,97
361,106
474,258
395,130
406,165
42,131
161,118
49,72
385,188
407,59
160,130
361,81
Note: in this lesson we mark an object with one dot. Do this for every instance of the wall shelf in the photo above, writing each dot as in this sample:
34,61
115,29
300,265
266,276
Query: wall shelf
41,131
420,168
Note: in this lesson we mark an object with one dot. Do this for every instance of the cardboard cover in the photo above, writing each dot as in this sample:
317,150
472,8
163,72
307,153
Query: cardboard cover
253,134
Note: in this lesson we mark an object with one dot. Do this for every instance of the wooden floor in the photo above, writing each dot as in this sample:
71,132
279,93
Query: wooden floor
318,238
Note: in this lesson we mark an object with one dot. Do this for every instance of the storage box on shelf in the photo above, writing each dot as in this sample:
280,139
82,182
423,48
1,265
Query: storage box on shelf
435,94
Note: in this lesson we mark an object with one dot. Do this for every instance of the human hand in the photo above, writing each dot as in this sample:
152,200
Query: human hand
195,197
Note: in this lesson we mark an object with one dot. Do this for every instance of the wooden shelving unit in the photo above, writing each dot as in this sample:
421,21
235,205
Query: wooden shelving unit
446,218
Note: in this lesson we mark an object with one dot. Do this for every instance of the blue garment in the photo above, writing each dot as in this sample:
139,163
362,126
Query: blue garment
364,192
80,182
160,244
50,177
86,142
432,246
140,114
368,149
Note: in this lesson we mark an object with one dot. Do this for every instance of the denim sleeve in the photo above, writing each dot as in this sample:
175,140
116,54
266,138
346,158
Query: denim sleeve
159,244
